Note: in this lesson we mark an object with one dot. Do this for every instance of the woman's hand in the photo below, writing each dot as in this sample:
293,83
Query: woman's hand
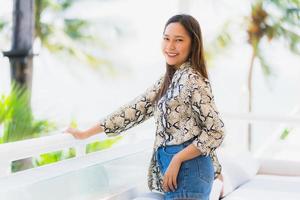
97,128
77,133
170,177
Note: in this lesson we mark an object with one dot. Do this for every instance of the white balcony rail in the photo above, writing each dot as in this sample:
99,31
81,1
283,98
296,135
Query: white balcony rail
251,118
281,122
59,141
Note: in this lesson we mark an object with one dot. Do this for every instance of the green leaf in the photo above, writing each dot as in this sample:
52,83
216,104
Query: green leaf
263,63
219,43
73,124
97,146
285,133
74,28
67,35
17,119
48,158
2,24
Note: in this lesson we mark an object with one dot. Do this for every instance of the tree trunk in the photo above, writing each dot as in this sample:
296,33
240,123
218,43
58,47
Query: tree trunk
250,98
21,55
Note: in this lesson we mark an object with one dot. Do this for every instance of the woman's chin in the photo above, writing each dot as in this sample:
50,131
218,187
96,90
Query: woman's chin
170,62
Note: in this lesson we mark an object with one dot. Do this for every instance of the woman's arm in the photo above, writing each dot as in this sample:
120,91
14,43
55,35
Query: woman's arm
127,116
133,113
211,133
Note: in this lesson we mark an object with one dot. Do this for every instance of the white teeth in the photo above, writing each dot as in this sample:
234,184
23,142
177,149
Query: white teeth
172,54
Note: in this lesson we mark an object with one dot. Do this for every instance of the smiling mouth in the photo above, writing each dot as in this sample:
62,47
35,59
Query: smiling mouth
171,54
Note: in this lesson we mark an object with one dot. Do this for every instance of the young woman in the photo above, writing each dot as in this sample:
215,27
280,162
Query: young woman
188,125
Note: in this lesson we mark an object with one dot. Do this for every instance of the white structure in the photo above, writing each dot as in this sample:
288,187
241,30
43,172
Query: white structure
120,172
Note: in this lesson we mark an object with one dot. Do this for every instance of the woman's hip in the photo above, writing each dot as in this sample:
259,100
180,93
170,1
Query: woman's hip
195,176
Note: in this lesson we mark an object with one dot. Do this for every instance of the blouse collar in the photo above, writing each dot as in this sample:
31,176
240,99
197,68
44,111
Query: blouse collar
184,65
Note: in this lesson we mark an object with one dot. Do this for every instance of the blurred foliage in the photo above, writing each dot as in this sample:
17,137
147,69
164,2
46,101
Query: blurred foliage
2,24
60,33
268,20
285,133
18,123
73,123
17,119
71,36
98,146
274,20
56,156
218,44
53,157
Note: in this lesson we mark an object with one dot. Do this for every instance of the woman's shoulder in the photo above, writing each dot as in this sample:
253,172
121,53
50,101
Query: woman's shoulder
195,77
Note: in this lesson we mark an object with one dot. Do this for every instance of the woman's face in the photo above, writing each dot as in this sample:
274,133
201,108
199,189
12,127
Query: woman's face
176,44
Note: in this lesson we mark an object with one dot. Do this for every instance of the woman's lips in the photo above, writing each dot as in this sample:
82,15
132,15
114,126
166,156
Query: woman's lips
171,54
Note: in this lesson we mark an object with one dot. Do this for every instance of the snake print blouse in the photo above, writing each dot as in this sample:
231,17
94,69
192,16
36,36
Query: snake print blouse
187,110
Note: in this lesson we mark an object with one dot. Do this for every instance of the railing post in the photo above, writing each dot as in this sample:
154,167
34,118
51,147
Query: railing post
5,168
80,149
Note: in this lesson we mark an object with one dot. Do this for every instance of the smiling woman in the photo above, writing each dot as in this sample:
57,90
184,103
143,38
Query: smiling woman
176,48
188,126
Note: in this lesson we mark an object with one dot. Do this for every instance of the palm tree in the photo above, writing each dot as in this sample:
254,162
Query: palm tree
271,20
59,35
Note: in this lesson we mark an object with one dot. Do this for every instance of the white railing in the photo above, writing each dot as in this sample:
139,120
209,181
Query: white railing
56,141
59,141
281,123
250,118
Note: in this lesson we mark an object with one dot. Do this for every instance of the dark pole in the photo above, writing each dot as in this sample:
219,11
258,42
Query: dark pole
20,55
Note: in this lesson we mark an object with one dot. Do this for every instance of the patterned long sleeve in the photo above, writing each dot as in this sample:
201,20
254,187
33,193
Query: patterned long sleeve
133,113
204,109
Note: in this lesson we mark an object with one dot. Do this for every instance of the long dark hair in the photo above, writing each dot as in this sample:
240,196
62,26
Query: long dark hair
196,56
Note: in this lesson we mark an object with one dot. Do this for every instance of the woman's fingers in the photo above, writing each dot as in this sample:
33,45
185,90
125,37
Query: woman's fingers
165,184
170,184
68,130
74,132
174,181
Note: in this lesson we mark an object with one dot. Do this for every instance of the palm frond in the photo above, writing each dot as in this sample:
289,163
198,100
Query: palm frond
67,35
281,22
17,118
219,43
291,38
266,68
2,24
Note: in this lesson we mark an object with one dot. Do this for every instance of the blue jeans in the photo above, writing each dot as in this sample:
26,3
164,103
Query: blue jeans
195,177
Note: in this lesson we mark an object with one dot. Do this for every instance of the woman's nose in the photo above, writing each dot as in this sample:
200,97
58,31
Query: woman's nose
171,46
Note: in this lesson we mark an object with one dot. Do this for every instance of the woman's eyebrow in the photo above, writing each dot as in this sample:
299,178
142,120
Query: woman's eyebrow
176,36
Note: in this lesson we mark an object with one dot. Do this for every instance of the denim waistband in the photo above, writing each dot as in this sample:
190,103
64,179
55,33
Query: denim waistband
188,142
179,146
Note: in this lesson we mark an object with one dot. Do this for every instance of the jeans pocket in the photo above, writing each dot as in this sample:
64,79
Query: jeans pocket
165,155
171,150
205,169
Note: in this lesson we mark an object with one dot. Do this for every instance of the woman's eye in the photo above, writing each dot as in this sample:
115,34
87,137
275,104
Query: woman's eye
179,40
166,39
